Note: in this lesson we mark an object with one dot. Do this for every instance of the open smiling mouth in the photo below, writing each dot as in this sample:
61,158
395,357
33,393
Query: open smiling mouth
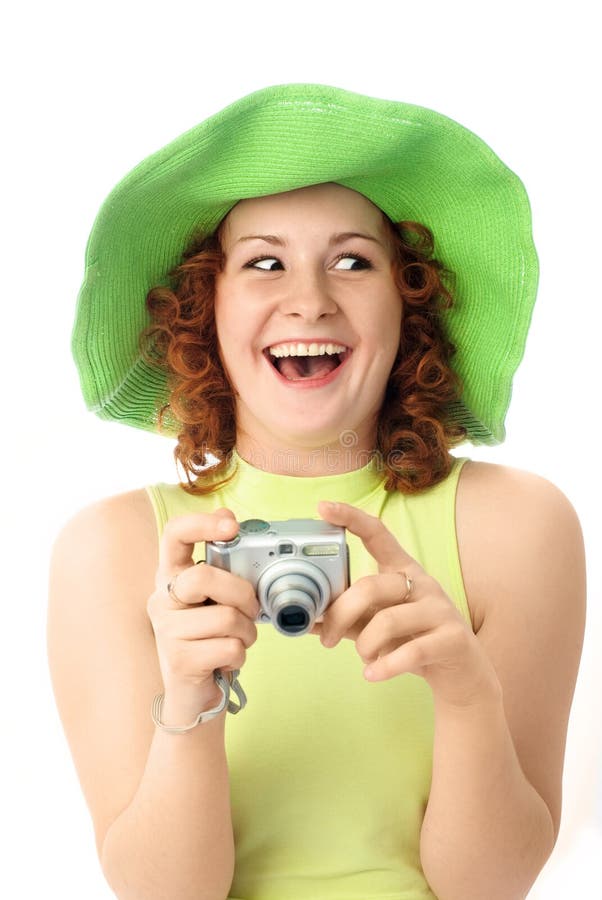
306,362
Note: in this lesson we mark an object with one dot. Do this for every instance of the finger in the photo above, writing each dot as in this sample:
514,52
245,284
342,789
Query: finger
395,624
215,653
182,533
197,584
411,657
201,623
375,536
346,616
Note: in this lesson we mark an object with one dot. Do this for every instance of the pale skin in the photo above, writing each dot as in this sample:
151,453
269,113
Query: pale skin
502,689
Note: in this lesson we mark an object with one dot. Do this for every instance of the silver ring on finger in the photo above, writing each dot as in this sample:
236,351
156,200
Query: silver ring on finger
409,587
172,594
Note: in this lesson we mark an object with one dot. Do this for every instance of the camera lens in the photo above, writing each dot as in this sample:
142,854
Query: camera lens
293,619
292,594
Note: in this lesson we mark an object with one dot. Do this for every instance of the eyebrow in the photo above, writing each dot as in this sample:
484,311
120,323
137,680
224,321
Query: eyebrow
349,235
334,240
268,238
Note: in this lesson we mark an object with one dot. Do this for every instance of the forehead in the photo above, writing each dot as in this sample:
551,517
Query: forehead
329,205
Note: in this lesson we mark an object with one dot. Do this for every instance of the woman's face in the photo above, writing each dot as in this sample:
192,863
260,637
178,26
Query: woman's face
308,317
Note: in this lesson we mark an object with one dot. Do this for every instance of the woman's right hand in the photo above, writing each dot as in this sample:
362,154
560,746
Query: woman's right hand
194,637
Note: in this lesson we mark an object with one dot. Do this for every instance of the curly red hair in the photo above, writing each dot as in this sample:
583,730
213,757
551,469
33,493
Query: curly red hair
414,432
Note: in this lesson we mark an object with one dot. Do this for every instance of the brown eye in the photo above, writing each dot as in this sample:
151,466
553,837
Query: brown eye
351,262
266,263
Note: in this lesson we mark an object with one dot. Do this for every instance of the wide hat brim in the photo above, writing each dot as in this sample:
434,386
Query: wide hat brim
412,162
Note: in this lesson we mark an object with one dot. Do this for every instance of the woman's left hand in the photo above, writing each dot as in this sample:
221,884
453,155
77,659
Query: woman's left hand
403,621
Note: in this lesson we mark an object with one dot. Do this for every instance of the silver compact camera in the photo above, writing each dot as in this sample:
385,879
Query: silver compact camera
297,568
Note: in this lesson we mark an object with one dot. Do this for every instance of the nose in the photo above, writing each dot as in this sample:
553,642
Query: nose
308,297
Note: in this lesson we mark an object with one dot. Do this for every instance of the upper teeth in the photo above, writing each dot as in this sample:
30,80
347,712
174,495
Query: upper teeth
306,349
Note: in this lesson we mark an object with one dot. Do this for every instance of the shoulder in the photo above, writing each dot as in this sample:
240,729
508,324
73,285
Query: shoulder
480,484
511,520
497,492
105,556
122,524
104,560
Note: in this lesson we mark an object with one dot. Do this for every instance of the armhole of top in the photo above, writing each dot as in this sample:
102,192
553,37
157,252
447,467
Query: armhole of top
158,505
455,567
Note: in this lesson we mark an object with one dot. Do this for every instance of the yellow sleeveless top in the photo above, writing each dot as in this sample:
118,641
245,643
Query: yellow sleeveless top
330,774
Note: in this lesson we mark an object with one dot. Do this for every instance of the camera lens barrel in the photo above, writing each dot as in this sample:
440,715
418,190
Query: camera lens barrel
293,596
293,600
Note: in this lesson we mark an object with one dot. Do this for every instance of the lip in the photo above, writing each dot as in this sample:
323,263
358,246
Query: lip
307,383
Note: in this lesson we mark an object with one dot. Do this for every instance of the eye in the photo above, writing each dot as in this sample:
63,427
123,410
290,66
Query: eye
266,263
352,261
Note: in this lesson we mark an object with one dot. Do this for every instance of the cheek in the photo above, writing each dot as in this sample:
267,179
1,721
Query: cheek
223,303
388,328
226,336
389,345
228,320
218,314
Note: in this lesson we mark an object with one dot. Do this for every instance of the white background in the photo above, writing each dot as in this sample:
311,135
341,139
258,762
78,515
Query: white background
91,90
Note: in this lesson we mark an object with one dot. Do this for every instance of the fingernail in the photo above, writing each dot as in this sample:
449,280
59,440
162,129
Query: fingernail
328,641
224,526
330,505
370,673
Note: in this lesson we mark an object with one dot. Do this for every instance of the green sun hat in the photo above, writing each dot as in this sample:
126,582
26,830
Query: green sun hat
412,162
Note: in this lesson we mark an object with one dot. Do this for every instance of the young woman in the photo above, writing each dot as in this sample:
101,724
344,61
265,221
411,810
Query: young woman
317,361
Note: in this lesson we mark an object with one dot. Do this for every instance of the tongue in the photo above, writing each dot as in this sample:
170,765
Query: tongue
297,367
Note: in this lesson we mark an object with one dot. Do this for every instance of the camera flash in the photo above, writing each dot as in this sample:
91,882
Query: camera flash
321,550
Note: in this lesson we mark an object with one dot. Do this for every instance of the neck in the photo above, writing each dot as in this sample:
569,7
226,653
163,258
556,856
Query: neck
345,455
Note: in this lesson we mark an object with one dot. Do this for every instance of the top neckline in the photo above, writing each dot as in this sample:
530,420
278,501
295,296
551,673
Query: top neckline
348,487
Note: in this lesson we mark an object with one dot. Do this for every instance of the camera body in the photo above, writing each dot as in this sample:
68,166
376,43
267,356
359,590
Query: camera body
297,567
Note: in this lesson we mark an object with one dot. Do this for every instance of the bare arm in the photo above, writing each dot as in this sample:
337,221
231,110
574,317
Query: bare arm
160,802
494,808
501,696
